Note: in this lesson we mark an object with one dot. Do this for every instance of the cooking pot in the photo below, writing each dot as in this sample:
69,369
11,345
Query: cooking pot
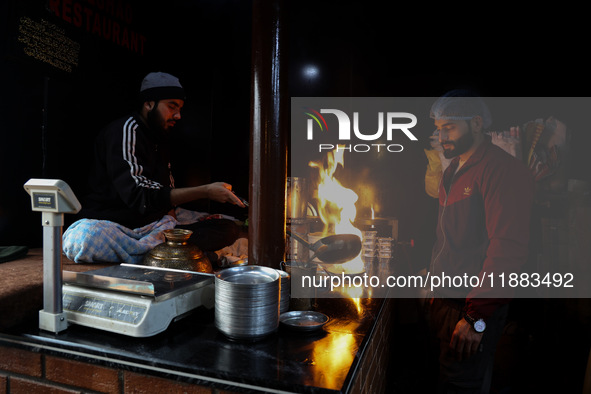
177,253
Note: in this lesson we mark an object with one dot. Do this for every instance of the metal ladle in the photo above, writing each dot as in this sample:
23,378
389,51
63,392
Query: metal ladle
333,249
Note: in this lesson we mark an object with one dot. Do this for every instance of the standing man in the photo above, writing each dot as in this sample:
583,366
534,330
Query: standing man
131,183
485,198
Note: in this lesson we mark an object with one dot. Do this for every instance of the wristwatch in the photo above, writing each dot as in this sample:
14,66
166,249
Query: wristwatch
478,325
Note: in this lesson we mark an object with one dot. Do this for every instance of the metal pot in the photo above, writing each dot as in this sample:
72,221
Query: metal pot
177,253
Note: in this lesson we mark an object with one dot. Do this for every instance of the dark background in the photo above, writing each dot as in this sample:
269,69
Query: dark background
206,44
360,48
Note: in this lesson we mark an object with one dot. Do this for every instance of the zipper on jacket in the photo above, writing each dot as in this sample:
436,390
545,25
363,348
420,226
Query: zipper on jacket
451,181
441,221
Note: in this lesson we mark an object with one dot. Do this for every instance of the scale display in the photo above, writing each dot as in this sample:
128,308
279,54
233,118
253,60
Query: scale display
104,308
134,300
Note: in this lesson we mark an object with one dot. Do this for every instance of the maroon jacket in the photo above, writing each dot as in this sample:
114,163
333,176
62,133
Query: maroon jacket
483,226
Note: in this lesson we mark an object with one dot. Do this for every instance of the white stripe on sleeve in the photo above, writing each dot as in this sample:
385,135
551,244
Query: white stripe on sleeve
129,140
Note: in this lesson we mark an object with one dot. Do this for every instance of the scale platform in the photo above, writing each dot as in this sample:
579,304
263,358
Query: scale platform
134,300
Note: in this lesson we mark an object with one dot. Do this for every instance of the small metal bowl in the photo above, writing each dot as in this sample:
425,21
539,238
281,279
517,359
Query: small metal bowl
303,320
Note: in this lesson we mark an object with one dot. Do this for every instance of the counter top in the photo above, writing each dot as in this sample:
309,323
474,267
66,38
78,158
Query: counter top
193,350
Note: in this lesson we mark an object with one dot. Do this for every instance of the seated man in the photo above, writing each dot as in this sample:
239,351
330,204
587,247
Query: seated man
132,197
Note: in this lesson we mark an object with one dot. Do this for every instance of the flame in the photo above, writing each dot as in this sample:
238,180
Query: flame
337,211
373,216
354,293
336,203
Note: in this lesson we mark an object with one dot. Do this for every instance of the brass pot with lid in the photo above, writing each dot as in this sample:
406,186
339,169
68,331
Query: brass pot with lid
177,253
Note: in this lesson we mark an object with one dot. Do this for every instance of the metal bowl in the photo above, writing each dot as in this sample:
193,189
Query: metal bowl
303,320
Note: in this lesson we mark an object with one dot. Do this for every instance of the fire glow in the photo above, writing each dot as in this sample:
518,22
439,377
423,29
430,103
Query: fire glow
337,211
333,355
336,203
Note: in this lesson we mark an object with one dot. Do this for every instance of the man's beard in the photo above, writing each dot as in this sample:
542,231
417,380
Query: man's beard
460,146
155,120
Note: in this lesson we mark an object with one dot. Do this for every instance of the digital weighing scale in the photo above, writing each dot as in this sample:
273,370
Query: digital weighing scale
134,300
127,299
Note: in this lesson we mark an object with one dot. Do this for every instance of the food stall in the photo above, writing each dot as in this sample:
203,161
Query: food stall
353,351
346,354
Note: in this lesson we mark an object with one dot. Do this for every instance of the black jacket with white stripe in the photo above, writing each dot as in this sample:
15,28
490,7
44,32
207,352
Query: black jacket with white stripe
131,180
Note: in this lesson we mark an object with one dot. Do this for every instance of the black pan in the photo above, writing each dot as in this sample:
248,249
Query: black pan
333,249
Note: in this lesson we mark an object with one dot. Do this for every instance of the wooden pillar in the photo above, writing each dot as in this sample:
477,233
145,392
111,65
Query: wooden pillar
268,142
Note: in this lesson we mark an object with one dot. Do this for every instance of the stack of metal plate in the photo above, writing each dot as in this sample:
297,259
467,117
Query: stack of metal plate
285,291
247,301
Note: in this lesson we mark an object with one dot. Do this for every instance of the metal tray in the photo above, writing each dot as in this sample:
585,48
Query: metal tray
303,320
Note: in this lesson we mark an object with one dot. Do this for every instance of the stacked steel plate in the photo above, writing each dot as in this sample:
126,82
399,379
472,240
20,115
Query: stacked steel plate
285,291
247,301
